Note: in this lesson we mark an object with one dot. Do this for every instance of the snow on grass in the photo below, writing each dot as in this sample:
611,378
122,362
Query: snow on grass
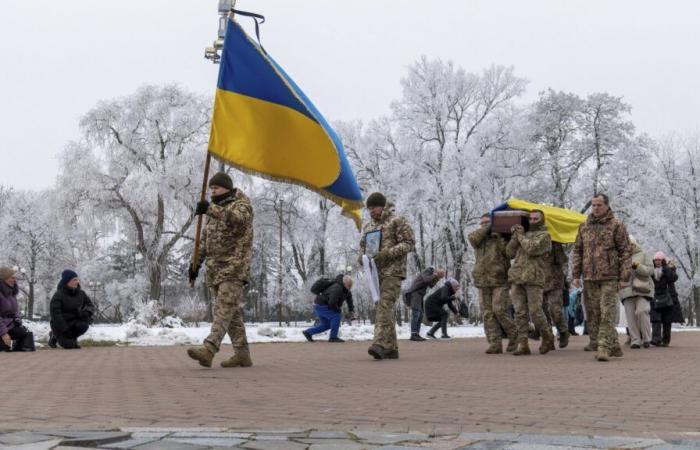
137,334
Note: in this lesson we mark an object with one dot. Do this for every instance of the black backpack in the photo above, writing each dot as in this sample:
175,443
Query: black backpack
321,285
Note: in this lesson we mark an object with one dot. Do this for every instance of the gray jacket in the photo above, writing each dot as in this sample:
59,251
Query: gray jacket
419,286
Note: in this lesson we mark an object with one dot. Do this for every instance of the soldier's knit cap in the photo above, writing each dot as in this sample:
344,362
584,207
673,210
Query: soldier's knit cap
6,273
221,179
376,199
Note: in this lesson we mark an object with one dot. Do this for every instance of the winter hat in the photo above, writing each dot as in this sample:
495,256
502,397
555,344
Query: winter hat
6,273
221,179
376,199
659,256
68,275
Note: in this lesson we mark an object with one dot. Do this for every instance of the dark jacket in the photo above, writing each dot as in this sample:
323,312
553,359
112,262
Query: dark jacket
667,284
335,295
435,302
419,287
69,305
9,310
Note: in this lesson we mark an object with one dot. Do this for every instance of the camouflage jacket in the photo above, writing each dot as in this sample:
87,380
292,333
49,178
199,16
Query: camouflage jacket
556,267
529,250
397,239
492,264
227,244
602,250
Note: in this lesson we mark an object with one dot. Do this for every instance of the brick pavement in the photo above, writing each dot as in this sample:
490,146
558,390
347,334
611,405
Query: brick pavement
436,387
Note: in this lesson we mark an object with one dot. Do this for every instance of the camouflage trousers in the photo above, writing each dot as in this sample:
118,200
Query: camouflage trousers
228,317
527,300
552,305
494,302
600,301
385,322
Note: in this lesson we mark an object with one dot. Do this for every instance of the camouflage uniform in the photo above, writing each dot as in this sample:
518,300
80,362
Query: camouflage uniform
397,242
556,267
490,275
227,246
602,257
527,277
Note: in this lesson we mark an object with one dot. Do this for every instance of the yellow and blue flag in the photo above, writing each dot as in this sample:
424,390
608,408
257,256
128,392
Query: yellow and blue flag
264,124
562,224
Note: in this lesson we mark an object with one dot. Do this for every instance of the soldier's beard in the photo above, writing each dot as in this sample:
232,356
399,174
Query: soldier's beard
537,226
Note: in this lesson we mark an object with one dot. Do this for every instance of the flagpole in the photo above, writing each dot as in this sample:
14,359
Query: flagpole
225,13
200,218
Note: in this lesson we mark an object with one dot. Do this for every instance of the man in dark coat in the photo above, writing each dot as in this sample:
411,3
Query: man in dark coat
71,312
414,297
434,307
665,278
328,305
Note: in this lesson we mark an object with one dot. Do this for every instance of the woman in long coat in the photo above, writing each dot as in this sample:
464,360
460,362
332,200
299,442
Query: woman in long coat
665,277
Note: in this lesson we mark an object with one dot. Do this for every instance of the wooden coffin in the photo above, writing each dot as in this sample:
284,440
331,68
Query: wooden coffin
503,221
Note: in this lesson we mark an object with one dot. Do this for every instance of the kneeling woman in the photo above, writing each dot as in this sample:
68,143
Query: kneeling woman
434,307
71,312
13,335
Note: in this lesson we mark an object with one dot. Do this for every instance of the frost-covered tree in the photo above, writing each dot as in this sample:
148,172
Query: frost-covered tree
676,198
139,162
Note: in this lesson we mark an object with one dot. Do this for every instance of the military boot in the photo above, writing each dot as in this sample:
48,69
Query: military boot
591,347
240,359
202,355
523,348
602,355
512,345
617,352
391,354
563,339
547,342
495,348
377,351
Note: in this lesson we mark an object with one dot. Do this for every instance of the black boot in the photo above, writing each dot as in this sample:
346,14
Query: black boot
53,342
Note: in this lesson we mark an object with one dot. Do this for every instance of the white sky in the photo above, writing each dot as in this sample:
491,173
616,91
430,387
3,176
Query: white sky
58,58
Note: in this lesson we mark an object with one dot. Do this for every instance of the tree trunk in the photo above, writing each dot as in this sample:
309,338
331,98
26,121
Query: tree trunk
696,301
154,277
32,281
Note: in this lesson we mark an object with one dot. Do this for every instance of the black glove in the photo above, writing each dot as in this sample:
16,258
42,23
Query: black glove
202,208
193,272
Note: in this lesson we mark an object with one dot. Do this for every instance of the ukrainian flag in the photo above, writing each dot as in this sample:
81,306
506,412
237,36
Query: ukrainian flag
562,224
264,124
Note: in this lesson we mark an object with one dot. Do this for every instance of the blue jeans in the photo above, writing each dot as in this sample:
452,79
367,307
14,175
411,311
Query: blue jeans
328,318
416,319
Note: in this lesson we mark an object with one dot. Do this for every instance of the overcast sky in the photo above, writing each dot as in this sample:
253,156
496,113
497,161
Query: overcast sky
58,58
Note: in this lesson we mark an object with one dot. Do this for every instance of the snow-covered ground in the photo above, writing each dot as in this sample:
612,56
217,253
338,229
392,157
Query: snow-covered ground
133,333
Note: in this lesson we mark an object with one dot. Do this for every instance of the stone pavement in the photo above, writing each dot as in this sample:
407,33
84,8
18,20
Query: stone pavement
437,388
301,439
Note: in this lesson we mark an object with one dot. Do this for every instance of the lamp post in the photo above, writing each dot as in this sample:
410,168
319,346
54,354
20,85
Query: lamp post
95,286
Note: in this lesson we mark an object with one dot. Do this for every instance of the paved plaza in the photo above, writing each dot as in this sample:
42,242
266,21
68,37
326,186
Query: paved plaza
439,394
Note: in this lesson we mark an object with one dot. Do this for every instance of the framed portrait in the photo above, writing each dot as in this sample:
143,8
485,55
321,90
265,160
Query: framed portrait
373,241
